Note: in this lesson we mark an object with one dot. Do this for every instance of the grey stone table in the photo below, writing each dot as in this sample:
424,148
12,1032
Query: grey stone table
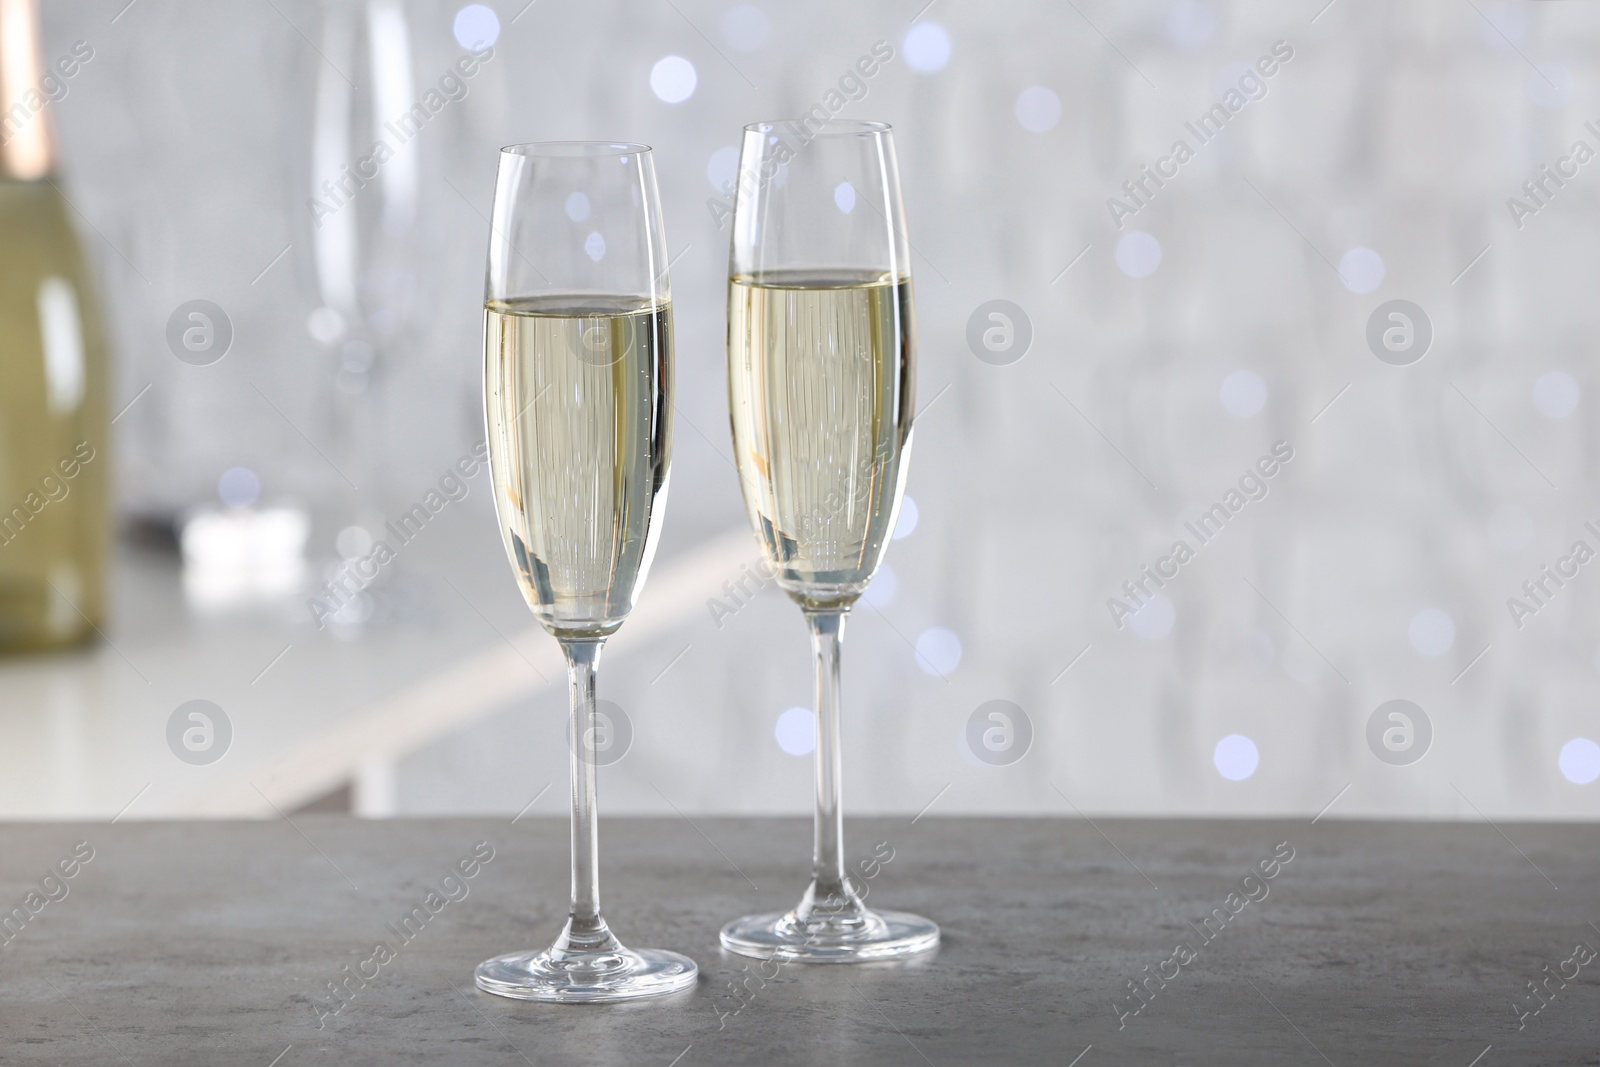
215,943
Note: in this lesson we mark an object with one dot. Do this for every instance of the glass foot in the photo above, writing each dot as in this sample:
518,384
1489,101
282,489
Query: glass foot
854,937
586,977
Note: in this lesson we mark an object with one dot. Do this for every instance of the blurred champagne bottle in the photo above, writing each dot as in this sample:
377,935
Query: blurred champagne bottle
54,455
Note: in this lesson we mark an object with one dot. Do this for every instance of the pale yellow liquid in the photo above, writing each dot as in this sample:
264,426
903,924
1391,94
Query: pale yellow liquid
580,440
820,388
53,528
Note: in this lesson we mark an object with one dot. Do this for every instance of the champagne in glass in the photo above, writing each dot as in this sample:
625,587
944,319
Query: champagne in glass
821,366
822,370
577,342
578,443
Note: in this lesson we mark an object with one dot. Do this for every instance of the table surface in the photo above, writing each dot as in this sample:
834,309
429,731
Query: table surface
212,943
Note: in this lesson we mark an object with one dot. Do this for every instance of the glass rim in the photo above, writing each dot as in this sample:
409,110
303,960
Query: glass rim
575,149
831,128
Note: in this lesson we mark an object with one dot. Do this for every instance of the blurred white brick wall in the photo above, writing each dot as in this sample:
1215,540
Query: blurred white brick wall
1041,485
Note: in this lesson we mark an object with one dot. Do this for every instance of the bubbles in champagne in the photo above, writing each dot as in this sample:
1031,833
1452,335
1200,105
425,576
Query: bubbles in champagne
819,370
579,442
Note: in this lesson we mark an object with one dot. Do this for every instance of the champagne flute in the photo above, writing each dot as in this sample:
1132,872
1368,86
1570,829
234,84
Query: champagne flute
577,338
821,363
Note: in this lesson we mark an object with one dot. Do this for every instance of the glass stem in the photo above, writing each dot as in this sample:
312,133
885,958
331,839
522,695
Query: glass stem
827,854
586,929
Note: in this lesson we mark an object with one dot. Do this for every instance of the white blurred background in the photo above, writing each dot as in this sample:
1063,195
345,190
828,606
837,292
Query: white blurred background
1228,313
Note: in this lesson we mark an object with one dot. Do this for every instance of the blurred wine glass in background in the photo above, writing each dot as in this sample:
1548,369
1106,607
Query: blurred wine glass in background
362,200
